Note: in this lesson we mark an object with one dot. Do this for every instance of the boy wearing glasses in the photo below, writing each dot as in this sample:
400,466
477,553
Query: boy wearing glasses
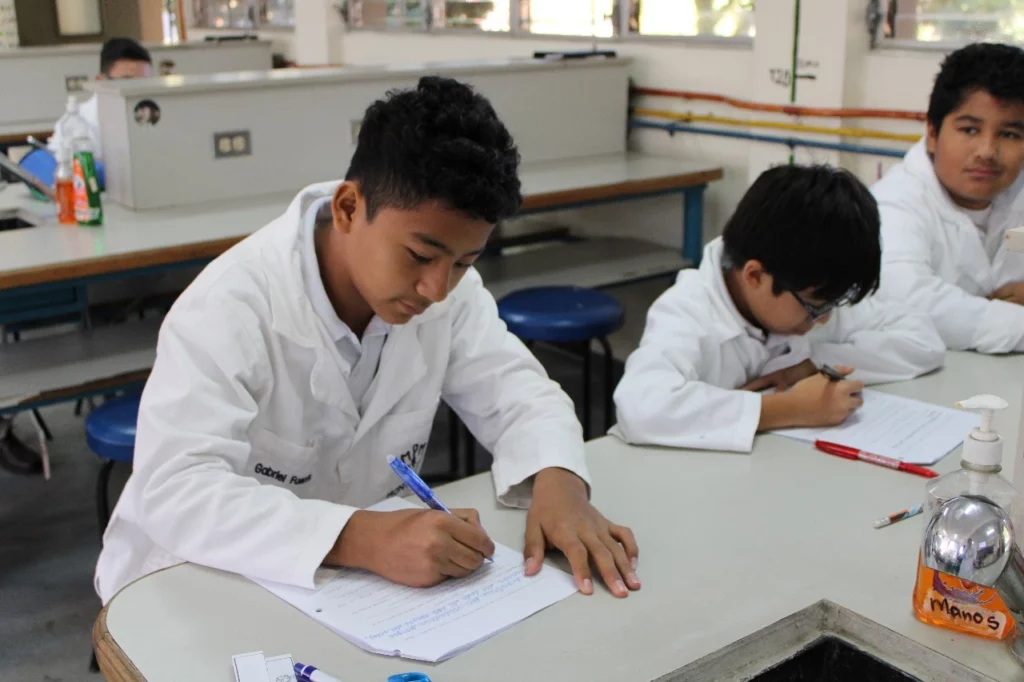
782,292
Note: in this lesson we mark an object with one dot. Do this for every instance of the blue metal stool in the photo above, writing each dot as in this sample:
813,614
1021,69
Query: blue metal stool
110,433
572,317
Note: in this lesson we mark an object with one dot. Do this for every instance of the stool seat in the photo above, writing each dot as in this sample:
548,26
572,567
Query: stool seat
560,314
110,428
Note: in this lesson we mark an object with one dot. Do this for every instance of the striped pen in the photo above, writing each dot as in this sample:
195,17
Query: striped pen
898,516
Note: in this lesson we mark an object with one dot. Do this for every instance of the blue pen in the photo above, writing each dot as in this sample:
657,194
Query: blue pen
419,487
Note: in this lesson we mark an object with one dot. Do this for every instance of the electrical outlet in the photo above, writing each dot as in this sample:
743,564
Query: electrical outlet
232,144
75,83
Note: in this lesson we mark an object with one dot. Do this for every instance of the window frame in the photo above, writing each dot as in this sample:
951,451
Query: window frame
913,45
258,25
516,31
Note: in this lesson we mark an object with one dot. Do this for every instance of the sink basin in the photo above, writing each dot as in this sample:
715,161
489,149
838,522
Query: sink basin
831,659
13,223
825,643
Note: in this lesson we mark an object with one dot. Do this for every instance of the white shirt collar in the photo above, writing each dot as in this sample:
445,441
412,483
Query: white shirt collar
314,285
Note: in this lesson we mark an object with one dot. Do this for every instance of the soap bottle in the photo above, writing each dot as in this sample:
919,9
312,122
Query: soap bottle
947,601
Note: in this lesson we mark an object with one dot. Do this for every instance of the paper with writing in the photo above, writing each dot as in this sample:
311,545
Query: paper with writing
893,426
427,624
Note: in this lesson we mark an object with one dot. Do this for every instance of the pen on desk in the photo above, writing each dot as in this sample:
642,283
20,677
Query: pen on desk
832,373
307,673
419,487
847,452
898,516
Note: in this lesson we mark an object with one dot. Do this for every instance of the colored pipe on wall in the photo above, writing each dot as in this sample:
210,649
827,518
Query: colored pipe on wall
779,125
791,142
781,108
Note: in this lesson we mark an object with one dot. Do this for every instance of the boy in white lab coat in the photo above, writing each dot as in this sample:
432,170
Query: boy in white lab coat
302,358
119,58
946,208
785,289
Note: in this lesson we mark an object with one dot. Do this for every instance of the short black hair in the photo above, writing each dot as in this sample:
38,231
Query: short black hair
117,49
811,227
440,142
995,68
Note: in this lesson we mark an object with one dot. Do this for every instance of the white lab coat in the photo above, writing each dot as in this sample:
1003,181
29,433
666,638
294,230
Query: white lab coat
250,454
934,260
88,110
681,386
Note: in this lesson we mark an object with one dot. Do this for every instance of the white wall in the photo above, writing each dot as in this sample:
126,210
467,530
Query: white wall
849,74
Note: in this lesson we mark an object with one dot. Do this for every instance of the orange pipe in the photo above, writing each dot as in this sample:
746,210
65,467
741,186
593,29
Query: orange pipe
782,108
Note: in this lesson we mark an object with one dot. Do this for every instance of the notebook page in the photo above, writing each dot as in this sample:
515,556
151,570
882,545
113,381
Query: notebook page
910,430
427,624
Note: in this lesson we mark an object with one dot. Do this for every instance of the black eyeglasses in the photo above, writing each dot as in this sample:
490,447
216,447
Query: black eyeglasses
816,312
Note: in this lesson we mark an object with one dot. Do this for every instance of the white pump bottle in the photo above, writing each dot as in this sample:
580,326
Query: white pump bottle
981,462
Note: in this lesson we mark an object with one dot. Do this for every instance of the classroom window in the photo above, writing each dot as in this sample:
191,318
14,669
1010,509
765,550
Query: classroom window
243,14
388,13
721,18
586,18
597,18
482,15
953,21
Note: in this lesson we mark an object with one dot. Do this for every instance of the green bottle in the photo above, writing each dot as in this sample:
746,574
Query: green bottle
88,207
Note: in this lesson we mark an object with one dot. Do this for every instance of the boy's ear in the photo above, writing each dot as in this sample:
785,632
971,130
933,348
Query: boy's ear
931,138
345,204
753,274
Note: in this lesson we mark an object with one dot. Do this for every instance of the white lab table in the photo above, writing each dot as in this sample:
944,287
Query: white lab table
130,240
730,544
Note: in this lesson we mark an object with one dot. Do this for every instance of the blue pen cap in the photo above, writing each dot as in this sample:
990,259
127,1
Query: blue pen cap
409,677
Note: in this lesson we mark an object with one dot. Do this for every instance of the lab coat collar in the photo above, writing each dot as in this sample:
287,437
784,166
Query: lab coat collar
1004,209
293,317
291,309
728,314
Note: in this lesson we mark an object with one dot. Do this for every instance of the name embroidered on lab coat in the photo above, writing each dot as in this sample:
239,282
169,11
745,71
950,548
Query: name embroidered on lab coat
280,476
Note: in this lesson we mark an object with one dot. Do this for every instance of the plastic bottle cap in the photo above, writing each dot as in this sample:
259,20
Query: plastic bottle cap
983,446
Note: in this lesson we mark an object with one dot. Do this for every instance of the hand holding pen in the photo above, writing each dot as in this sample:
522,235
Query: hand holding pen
415,547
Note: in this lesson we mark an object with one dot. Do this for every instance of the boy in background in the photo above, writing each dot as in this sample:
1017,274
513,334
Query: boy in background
946,208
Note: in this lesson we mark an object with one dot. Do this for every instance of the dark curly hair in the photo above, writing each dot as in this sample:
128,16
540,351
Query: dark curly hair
811,227
992,67
441,142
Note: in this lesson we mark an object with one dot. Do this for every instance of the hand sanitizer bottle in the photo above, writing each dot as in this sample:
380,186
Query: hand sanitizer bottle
947,601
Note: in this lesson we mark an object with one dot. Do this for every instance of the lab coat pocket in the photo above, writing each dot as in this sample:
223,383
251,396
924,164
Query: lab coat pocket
269,443
405,436
278,461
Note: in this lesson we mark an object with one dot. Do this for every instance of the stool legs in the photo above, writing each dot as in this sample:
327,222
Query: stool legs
585,350
609,384
102,500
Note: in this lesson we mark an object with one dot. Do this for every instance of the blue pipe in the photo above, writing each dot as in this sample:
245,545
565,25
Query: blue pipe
673,128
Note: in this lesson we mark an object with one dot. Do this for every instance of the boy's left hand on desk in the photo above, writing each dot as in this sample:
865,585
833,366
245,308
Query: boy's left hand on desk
562,517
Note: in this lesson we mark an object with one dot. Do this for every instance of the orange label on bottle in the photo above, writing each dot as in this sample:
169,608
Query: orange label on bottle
947,601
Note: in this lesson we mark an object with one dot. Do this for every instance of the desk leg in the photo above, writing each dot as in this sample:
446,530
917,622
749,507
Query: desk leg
693,223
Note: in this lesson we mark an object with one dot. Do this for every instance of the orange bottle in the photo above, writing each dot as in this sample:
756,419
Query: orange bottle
945,600
64,189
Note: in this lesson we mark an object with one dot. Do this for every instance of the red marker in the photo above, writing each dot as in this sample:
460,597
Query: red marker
847,452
